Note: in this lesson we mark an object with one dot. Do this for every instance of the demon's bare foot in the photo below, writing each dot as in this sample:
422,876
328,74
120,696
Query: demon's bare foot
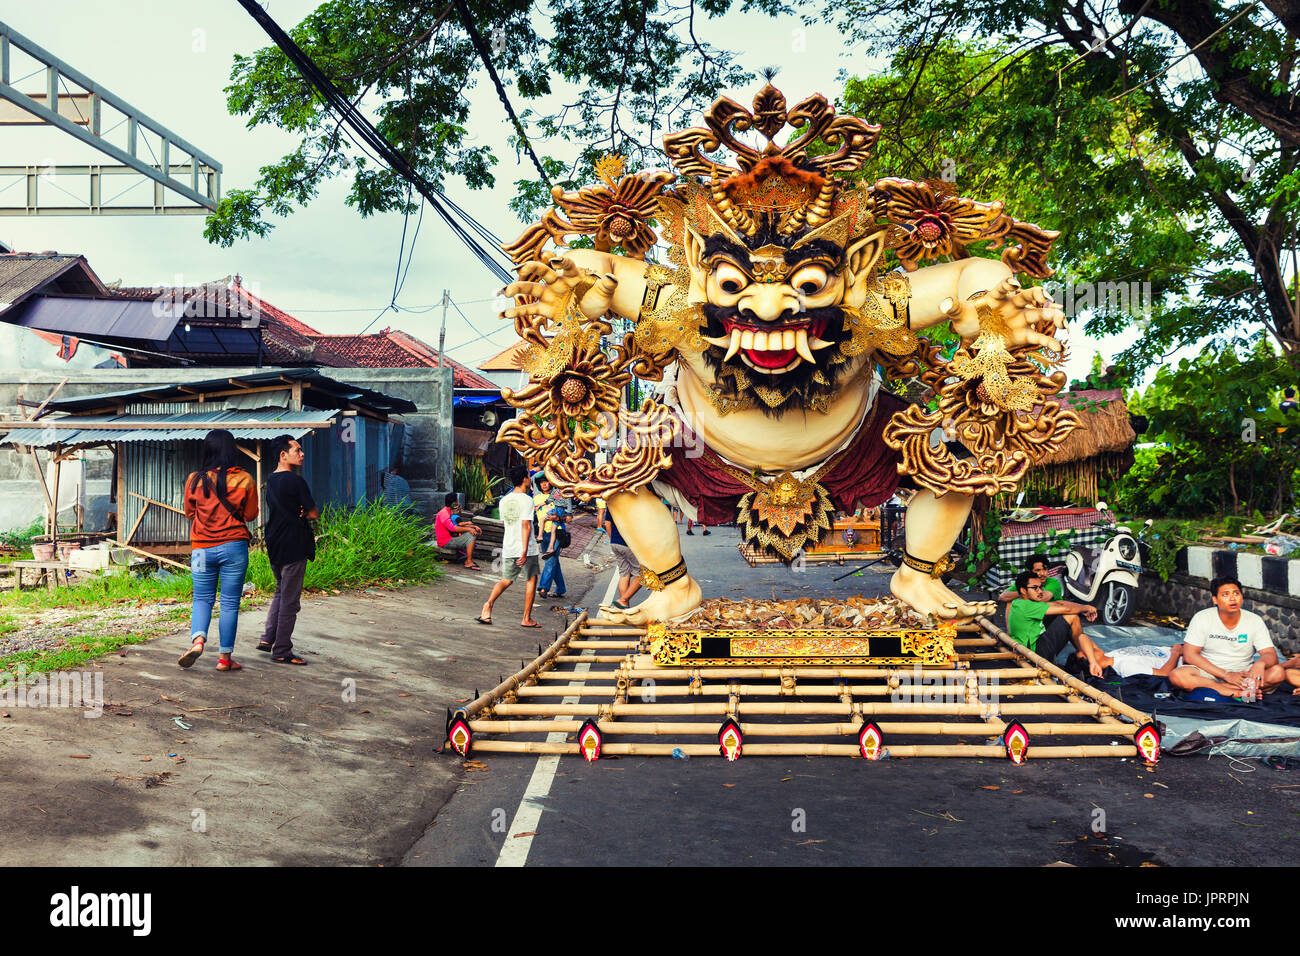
928,595
678,598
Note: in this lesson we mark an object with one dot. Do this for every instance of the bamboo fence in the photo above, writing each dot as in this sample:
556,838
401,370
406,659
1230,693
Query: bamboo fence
601,672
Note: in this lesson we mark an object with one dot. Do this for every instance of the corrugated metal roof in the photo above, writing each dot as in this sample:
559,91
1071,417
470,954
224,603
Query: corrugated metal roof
323,388
191,426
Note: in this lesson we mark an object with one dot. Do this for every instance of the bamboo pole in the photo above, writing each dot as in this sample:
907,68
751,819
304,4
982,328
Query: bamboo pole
135,525
628,729
606,645
119,462
156,557
827,673
514,681
1087,689
594,659
786,708
797,750
588,689
136,494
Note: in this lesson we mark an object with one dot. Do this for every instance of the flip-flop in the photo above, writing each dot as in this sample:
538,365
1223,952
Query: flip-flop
473,567
229,665
291,659
534,624
481,621
265,646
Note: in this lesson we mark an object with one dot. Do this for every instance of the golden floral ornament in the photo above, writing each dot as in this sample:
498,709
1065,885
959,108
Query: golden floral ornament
933,224
611,213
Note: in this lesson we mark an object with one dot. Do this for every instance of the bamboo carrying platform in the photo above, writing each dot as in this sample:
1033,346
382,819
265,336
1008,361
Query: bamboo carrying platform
597,691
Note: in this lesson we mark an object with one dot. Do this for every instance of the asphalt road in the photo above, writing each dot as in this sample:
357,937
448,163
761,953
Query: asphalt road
1191,811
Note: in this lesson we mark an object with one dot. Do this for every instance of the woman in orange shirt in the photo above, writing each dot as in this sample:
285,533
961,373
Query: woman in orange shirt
219,501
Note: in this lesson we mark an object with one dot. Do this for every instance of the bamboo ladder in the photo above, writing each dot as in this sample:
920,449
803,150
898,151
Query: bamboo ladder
602,671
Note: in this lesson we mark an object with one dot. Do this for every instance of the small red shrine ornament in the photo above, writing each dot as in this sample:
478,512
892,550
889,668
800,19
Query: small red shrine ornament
871,741
730,740
1016,740
590,740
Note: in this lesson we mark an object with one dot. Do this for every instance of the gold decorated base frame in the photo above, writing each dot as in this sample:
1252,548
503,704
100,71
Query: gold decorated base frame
672,647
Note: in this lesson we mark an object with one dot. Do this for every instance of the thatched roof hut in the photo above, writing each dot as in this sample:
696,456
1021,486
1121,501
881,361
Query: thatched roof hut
1099,450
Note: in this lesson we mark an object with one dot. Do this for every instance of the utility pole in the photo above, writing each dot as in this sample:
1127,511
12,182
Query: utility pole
442,334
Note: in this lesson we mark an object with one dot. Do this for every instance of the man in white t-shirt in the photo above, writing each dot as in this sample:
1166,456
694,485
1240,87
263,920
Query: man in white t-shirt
518,548
1220,645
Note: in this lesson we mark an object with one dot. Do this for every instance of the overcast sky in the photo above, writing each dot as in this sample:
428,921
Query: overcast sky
324,264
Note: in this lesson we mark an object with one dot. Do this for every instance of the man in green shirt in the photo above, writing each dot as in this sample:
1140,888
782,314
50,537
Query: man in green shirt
1042,624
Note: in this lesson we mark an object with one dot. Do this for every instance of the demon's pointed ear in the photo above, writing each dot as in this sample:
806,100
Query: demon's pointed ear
865,254
694,246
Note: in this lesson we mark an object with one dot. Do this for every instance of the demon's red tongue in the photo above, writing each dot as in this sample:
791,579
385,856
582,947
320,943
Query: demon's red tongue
769,359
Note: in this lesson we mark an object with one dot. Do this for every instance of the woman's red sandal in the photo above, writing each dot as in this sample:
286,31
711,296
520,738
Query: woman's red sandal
229,664
192,655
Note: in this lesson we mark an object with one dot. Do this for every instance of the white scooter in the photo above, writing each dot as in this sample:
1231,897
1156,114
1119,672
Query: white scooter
1107,577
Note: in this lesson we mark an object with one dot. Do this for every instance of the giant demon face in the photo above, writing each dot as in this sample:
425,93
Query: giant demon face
773,309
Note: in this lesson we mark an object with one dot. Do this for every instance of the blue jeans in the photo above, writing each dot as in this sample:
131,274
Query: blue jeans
552,573
229,562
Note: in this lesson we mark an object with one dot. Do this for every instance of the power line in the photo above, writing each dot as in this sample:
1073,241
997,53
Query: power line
367,132
467,21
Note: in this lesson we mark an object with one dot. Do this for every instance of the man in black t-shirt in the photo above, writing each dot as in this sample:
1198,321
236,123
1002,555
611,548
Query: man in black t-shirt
290,544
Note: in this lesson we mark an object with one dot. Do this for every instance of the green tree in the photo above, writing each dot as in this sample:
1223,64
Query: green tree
1221,442
637,66
1161,137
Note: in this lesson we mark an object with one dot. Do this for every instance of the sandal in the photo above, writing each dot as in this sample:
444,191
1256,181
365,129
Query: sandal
229,664
290,659
193,654
473,567
265,645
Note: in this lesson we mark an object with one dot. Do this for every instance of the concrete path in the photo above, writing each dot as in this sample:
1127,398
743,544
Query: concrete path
326,764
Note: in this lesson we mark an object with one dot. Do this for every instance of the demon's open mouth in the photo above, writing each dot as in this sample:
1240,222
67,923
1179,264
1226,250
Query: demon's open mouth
772,348
796,358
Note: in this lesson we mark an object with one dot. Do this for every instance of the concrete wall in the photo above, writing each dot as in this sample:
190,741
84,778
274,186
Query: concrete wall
427,445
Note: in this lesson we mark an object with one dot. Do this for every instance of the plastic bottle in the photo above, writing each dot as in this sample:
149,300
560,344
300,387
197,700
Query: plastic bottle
679,754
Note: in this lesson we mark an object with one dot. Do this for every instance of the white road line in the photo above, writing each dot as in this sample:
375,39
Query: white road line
468,580
515,850
611,592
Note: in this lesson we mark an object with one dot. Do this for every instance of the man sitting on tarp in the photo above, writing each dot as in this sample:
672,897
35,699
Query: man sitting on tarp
1221,644
1026,625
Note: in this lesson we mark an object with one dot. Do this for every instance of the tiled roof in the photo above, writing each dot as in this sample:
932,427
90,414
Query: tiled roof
506,360
22,273
288,341
393,348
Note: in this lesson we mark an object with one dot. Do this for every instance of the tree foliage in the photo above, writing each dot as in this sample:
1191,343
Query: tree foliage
1160,137
639,67
1221,443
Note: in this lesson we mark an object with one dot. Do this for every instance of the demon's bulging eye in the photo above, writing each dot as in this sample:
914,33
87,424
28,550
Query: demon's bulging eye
810,280
729,278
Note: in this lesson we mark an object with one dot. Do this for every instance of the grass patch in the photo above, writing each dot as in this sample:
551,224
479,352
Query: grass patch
370,545
102,590
355,547
86,647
